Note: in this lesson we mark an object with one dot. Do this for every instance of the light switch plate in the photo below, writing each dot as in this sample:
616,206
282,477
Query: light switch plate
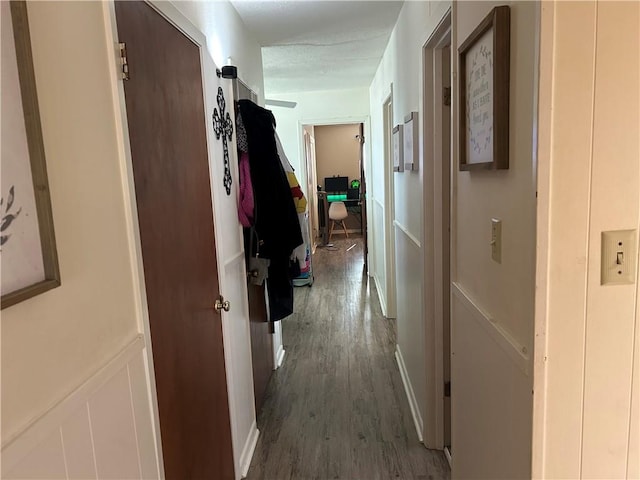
618,259
496,240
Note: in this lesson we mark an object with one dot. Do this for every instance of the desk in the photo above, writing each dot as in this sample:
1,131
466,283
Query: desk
336,197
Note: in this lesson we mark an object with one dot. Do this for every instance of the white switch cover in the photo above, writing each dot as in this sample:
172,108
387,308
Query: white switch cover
618,257
496,240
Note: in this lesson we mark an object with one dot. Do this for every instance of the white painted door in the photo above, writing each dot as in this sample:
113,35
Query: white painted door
231,268
312,182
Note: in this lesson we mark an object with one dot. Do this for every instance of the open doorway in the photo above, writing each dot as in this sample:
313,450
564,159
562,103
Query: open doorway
334,157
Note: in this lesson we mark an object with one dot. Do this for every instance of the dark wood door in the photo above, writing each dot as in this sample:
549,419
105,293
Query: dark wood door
165,111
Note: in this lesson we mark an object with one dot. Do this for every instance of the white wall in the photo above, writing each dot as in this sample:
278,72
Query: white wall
492,311
333,107
401,66
493,303
227,37
337,151
587,388
52,343
57,343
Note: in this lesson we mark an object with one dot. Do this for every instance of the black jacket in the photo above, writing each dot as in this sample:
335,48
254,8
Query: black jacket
275,213
276,219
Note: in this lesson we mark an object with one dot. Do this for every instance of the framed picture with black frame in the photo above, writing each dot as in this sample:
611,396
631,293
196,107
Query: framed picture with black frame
483,74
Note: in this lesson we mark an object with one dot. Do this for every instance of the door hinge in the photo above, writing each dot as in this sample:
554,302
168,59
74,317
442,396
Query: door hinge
447,389
446,96
124,63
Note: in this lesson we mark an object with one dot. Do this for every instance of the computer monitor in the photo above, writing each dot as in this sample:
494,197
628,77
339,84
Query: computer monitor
336,184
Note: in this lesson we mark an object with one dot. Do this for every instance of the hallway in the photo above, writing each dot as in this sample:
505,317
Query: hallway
336,409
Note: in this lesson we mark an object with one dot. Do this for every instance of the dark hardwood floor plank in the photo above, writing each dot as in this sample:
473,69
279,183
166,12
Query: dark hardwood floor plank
336,409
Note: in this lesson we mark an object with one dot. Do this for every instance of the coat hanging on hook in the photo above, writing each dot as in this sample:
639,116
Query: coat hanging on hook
276,219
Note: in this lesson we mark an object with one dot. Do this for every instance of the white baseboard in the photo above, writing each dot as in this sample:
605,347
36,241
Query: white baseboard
413,403
383,300
247,451
279,357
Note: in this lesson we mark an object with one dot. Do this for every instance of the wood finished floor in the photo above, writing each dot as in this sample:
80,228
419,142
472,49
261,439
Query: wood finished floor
336,409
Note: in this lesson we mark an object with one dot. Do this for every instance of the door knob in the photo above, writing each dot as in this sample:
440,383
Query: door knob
222,304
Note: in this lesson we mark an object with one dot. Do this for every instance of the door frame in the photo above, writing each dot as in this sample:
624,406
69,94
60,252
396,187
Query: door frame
389,208
184,25
365,120
309,155
441,37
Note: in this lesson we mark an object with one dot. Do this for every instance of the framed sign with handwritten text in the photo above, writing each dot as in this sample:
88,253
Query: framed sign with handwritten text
484,94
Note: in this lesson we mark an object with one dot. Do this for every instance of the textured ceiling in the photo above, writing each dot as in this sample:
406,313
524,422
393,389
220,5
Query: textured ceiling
319,45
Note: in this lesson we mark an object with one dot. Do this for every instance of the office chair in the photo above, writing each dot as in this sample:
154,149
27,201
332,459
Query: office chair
337,213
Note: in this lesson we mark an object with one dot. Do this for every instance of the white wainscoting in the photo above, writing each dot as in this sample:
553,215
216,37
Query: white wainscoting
410,350
237,354
491,396
104,429
518,353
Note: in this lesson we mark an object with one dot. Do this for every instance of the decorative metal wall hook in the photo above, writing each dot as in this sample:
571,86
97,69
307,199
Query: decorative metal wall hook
223,126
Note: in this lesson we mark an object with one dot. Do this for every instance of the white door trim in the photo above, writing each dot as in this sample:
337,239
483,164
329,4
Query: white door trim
131,215
389,214
309,146
365,120
432,201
